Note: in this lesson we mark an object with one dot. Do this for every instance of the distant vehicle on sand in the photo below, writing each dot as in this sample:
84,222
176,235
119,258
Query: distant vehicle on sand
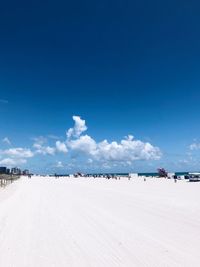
194,177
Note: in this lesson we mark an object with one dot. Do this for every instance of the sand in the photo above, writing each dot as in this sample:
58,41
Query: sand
87,222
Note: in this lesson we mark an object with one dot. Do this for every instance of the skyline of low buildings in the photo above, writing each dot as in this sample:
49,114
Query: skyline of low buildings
14,171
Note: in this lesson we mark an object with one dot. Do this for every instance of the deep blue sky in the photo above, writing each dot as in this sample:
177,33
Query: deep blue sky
126,67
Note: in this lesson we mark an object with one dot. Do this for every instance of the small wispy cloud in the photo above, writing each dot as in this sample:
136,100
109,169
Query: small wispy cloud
6,141
194,146
59,164
3,101
41,140
54,137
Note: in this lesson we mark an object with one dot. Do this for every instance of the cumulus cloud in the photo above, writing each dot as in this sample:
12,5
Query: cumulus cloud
126,151
15,156
83,144
6,141
104,153
41,147
10,162
61,147
17,152
44,150
78,129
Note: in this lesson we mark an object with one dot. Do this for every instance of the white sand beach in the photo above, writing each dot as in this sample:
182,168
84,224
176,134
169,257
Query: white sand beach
86,222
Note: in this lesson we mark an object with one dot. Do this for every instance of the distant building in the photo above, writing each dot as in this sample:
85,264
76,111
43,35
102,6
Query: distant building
16,171
3,170
25,172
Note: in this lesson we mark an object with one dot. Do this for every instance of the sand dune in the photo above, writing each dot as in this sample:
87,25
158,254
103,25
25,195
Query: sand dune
48,222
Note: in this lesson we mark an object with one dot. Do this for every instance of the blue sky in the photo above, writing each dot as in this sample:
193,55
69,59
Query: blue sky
125,67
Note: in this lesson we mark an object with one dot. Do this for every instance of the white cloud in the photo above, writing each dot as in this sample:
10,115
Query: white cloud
15,156
106,165
183,161
10,162
194,146
6,141
127,150
17,152
41,148
59,164
52,136
41,140
124,152
44,150
61,147
83,144
106,154
78,129
90,161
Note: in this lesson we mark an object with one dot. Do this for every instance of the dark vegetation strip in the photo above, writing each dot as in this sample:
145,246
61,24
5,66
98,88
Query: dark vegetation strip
6,179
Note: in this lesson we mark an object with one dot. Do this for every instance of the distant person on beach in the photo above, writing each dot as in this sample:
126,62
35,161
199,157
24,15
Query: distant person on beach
175,178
